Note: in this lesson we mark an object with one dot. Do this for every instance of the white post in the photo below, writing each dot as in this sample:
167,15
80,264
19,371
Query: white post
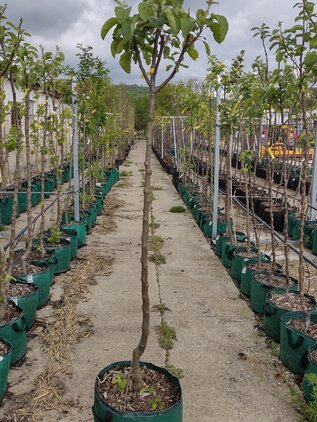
216,171
75,153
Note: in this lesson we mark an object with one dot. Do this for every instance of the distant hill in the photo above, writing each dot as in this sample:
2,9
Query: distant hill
139,96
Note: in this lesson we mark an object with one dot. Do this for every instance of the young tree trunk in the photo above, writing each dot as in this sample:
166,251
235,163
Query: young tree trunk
43,154
16,172
229,189
28,175
139,350
3,285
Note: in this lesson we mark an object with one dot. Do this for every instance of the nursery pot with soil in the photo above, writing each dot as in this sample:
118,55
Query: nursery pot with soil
251,267
5,359
240,258
294,342
222,237
277,303
12,329
104,412
62,252
264,281
26,297
41,279
73,237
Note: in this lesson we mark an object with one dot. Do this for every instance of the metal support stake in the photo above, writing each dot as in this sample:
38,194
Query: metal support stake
216,172
75,153
313,192
162,141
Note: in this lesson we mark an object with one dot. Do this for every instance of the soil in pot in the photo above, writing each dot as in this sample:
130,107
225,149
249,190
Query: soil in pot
12,329
300,326
262,283
5,359
277,303
158,390
17,269
26,297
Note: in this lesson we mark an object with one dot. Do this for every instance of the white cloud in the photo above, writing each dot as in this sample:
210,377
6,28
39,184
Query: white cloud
67,22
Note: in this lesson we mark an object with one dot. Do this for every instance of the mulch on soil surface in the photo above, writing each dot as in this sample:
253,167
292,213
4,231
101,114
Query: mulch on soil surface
3,349
11,313
20,289
33,255
66,327
163,391
30,269
313,356
300,326
272,280
291,301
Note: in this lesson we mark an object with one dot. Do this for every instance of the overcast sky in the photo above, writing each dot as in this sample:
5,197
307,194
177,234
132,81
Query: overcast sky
67,22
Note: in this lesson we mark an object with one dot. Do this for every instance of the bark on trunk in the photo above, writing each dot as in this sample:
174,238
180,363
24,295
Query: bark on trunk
139,350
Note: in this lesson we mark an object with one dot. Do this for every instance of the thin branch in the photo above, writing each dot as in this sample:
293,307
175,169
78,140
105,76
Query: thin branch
187,43
138,56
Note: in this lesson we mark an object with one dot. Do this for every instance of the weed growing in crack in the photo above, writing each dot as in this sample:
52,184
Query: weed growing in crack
161,308
166,335
177,372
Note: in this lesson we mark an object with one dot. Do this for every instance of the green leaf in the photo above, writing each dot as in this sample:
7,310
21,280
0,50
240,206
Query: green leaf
193,53
187,25
146,11
170,19
126,29
207,48
311,59
122,13
218,25
201,15
168,67
125,61
107,26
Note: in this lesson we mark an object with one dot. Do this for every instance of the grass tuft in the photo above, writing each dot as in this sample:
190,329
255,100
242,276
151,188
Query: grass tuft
177,209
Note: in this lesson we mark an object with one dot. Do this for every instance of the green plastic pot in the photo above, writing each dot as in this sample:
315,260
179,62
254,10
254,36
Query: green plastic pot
228,251
259,291
6,208
223,237
22,202
73,237
80,228
273,313
314,235
247,273
62,253
28,304
14,333
294,344
238,262
87,218
36,192
4,368
311,369
105,413
42,280
48,186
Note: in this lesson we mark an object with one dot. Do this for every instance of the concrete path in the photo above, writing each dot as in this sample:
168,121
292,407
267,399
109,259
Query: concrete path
229,372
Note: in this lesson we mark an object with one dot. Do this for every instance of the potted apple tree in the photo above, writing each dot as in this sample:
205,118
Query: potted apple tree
159,30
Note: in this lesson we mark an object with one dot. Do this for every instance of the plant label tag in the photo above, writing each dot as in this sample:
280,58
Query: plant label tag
98,184
1,358
217,238
29,278
246,259
15,300
68,238
210,223
244,270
